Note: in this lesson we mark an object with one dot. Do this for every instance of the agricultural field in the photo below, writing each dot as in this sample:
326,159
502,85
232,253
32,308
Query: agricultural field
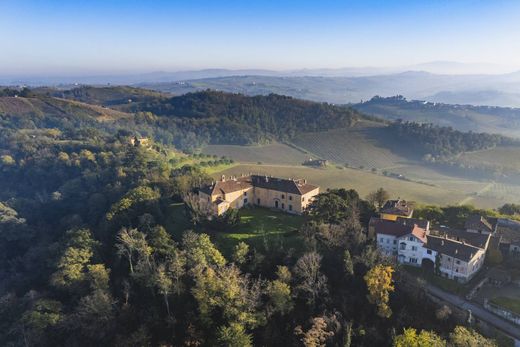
357,146
275,153
362,180
506,157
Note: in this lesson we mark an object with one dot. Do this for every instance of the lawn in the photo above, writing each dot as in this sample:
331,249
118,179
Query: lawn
263,229
512,304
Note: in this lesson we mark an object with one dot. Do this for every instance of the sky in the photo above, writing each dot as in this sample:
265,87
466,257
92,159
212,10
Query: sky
58,37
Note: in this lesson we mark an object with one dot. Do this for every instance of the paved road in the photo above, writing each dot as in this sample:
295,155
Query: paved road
477,311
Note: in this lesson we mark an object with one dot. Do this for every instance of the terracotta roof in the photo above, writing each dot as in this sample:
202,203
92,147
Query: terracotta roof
227,186
292,186
397,207
451,248
478,222
387,227
474,239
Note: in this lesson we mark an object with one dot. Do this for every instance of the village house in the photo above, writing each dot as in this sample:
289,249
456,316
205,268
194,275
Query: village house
455,254
394,209
289,195
478,224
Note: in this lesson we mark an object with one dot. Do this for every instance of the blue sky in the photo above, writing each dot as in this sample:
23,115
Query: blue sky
114,36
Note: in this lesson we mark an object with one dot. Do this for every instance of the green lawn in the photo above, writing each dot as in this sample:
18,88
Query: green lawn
263,229
512,304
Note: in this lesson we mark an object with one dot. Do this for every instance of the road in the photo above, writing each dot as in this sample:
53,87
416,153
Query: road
477,311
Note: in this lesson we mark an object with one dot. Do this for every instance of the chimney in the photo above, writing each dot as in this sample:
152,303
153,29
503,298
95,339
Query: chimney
266,179
304,181
223,178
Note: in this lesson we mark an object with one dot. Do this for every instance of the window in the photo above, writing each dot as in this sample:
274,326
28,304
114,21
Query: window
283,206
457,262
411,238
395,242
290,207
303,199
429,251
402,246
245,193
414,248
283,196
413,260
245,201
290,197
258,201
387,240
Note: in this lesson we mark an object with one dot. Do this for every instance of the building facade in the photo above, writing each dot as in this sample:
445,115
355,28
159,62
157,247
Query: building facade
288,195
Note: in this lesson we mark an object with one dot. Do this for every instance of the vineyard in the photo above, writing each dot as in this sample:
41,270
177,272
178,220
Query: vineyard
359,146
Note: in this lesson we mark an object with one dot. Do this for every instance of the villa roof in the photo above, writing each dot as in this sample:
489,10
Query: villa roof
397,207
227,186
451,248
292,186
478,222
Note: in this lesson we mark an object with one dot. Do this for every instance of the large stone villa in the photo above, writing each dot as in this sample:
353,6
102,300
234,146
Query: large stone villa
456,254
289,195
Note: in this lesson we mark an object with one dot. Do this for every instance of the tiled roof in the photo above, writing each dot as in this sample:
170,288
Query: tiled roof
397,207
291,186
451,248
474,239
228,186
478,222
387,227
421,223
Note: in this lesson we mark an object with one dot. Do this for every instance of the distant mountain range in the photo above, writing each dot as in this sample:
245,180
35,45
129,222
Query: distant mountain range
446,82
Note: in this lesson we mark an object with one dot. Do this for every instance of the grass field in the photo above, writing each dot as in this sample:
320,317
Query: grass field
263,229
275,153
361,180
507,157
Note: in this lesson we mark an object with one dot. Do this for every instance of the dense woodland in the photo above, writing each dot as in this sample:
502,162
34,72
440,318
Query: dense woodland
88,257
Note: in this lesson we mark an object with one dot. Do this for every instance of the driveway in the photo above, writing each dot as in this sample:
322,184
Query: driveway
478,311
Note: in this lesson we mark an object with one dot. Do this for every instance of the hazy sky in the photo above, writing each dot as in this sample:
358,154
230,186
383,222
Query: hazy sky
111,36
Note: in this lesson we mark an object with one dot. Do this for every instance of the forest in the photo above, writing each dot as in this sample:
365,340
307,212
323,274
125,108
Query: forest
88,257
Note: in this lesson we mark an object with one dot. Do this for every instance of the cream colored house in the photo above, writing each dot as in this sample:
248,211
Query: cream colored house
289,195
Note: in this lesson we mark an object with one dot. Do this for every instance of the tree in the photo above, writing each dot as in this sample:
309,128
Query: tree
379,284
464,337
310,281
200,251
317,335
279,294
164,284
240,253
234,335
131,244
378,197
348,263
410,338
198,209
224,295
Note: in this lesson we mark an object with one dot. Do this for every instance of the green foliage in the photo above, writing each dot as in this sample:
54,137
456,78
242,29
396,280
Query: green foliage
462,336
240,253
134,197
234,335
410,338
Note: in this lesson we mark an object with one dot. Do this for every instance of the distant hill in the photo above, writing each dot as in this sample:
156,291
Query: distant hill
501,120
496,90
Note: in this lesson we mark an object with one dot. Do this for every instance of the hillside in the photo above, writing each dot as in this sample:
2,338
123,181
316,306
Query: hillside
501,120
493,90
